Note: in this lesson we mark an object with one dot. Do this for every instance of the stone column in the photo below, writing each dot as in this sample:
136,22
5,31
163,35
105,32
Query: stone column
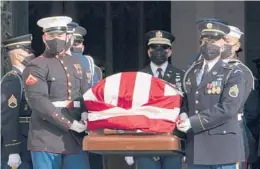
6,31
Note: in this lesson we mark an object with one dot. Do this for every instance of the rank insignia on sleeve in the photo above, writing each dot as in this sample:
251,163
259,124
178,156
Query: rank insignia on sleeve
233,91
31,80
12,102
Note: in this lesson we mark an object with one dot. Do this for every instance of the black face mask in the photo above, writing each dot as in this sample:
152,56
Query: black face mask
158,56
27,59
76,50
227,51
55,46
210,51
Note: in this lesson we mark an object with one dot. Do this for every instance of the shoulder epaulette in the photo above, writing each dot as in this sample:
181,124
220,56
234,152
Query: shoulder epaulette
10,73
228,65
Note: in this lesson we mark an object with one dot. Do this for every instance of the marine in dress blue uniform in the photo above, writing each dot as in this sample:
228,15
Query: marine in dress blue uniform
54,85
159,43
215,92
15,112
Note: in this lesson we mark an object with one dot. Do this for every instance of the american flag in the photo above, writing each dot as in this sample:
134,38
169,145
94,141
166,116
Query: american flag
133,101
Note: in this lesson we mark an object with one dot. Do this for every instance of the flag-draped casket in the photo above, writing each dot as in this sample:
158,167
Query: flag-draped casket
133,101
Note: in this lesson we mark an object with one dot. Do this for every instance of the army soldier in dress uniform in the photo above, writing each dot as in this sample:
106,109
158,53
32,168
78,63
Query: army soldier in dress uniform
159,43
215,92
197,57
54,84
15,112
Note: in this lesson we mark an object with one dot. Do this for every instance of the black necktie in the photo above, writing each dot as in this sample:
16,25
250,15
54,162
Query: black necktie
205,72
159,70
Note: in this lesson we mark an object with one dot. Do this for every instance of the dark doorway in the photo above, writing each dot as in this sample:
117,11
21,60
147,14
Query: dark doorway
127,46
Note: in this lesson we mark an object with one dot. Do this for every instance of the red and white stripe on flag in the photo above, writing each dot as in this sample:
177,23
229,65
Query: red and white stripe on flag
133,100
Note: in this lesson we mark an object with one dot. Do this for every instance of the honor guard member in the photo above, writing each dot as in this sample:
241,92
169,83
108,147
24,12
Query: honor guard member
197,57
70,31
94,73
54,85
215,92
15,112
230,55
159,50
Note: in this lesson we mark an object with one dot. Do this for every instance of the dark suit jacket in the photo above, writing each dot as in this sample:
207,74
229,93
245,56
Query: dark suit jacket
174,76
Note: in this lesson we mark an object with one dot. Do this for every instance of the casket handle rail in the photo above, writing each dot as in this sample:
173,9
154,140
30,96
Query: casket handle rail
121,142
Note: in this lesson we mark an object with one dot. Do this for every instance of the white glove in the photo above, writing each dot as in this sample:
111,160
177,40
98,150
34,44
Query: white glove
129,160
14,160
78,127
184,125
84,117
184,116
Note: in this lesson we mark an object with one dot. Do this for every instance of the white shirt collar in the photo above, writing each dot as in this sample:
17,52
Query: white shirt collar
210,64
154,67
19,68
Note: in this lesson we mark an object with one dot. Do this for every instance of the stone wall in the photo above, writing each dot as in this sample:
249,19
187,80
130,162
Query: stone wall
6,31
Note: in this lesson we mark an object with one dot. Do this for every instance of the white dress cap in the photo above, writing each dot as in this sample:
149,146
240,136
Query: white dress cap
56,21
234,32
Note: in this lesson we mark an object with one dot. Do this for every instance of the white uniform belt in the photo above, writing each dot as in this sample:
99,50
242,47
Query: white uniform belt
66,103
239,116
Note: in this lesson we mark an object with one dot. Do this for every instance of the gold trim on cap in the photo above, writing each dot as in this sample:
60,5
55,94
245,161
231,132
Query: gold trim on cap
18,43
212,30
159,41
77,34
